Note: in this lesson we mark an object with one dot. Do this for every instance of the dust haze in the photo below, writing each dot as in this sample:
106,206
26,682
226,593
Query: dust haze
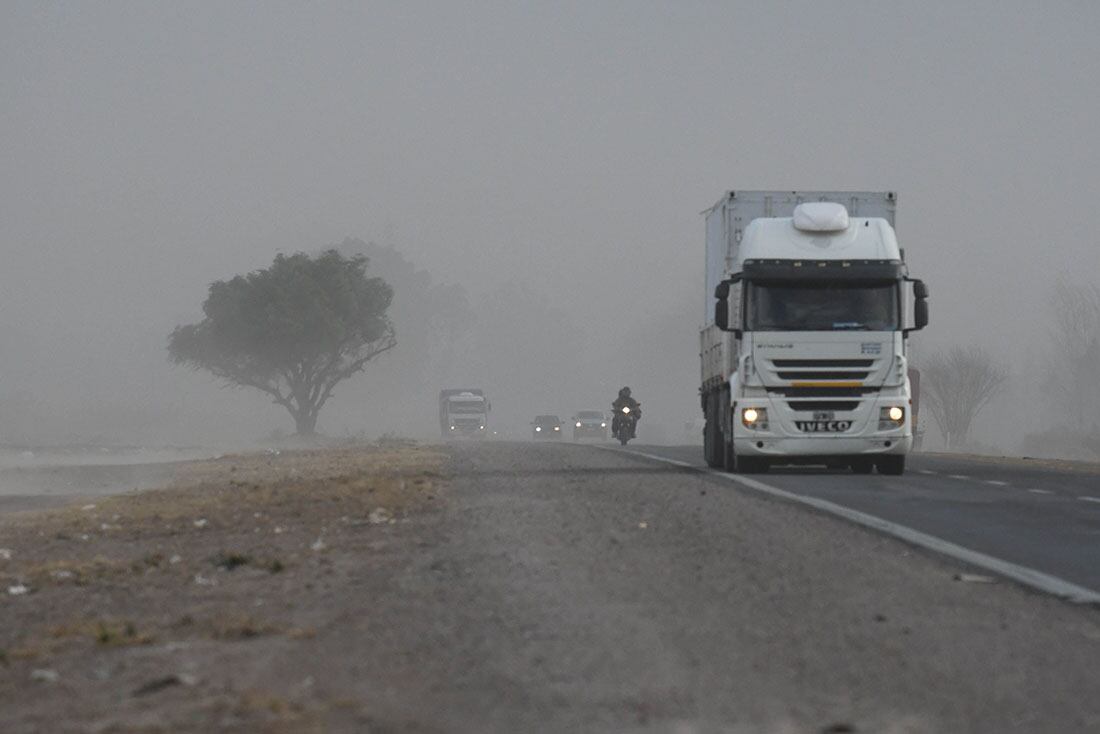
529,179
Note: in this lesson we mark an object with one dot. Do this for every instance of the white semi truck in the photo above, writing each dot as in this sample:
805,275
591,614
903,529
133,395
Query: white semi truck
804,349
463,412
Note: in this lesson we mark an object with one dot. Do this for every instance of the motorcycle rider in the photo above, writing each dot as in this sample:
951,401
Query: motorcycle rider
625,401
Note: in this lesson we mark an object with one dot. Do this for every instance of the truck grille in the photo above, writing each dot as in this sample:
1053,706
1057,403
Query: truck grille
822,363
815,405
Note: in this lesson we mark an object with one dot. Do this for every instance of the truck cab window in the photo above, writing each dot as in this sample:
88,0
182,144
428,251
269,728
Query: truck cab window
822,306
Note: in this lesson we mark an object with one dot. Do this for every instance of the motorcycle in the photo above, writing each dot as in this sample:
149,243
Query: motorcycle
625,424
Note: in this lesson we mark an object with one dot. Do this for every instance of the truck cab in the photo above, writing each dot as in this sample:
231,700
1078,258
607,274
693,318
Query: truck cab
463,413
805,359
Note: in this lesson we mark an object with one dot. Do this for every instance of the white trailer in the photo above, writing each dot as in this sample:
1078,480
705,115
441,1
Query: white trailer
803,353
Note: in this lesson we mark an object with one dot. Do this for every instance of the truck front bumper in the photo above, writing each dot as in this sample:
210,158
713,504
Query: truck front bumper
820,446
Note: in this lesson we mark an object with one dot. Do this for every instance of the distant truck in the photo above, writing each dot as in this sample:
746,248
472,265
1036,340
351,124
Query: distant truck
808,305
463,412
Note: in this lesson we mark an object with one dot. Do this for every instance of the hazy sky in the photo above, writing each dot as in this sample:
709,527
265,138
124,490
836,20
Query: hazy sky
147,149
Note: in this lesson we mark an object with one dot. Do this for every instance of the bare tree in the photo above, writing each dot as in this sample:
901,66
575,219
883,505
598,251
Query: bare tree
1075,352
957,384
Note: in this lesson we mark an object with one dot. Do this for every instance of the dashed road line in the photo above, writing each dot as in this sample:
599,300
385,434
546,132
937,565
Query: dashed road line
1086,498
1040,491
925,471
1021,574
957,476
996,482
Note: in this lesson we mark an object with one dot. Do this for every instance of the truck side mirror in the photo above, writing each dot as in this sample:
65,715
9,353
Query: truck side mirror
722,314
722,307
920,305
920,314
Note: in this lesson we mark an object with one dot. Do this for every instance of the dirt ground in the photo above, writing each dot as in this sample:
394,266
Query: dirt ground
154,611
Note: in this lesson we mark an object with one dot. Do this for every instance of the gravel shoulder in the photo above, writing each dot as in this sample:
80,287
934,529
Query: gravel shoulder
520,587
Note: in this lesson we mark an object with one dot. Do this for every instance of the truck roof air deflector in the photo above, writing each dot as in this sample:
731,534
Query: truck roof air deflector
820,216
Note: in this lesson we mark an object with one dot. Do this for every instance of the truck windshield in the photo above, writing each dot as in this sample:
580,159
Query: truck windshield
467,407
835,306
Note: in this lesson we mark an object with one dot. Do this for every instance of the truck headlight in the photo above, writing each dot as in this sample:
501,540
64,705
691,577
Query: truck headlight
891,417
538,429
452,428
557,428
603,425
578,424
755,418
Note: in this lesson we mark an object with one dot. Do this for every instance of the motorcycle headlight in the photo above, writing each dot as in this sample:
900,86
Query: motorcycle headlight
626,408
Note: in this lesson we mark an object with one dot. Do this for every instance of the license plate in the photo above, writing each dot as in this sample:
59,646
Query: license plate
823,426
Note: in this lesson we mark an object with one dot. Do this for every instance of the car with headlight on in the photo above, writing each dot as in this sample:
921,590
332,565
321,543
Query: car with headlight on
546,426
589,424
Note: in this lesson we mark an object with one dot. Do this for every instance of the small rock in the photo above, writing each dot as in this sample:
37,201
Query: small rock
203,581
88,508
5,554
45,675
318,545
62,574
174,559
200,523
18,590
974,578
159,684
379,516
279,529
643,525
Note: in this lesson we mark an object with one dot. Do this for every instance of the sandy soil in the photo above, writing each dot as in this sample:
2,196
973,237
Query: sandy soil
154,611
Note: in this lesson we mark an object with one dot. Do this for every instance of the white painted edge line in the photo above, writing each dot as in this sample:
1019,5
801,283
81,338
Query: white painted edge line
1022,574
1040,491
996,482
957,476
1086,498
925,471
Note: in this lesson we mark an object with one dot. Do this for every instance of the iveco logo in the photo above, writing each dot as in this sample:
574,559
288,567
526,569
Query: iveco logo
823,426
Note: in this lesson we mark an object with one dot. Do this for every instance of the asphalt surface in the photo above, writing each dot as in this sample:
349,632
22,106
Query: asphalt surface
1040,515
570,588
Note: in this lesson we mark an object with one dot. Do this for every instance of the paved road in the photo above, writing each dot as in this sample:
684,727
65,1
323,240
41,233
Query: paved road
1039,515
573,589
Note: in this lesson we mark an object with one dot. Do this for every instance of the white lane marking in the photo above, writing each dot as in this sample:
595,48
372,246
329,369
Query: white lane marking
996,483
1040,491
1086,498
957,476
925,471
1022,574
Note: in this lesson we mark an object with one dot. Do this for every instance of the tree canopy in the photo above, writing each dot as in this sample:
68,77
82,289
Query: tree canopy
293,330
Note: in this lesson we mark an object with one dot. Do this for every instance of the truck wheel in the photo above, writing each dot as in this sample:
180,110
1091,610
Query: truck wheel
893,465
862,466
711,435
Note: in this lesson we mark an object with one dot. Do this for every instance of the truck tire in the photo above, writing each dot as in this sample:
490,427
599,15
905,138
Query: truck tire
893,465
711,434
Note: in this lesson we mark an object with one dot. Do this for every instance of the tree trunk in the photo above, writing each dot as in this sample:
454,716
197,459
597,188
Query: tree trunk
305,424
